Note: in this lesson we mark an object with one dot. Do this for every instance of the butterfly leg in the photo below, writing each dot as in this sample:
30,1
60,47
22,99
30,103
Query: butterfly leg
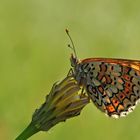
70,73
83,93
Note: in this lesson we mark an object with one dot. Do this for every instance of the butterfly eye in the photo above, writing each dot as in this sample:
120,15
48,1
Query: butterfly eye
73,61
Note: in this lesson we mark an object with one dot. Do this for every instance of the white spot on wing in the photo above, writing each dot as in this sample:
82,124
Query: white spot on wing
123,114
138,101
115,116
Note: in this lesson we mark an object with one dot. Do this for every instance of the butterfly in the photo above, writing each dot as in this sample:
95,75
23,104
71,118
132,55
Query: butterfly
113,85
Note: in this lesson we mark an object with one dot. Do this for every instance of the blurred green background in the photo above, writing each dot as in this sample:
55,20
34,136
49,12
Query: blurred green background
34,55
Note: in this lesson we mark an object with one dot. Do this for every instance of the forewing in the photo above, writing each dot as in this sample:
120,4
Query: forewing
113,84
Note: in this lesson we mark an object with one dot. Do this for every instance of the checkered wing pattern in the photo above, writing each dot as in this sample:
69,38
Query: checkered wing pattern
112,84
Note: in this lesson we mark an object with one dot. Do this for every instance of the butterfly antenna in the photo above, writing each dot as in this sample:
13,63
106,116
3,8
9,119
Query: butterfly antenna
73,46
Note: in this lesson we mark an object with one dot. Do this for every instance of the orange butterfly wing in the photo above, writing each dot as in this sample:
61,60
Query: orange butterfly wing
112,84
124,62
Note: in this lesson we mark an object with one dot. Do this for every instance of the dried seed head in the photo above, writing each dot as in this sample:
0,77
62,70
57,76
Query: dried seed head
64,101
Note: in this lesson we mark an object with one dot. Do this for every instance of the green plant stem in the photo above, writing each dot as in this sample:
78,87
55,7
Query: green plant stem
28,132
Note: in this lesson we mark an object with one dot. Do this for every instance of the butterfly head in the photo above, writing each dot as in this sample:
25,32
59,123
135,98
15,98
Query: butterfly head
73,61
77,71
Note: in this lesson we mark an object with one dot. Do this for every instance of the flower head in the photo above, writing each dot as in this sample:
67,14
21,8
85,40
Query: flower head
64,101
